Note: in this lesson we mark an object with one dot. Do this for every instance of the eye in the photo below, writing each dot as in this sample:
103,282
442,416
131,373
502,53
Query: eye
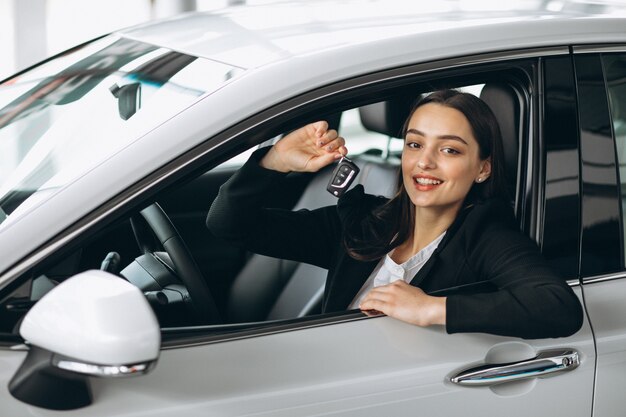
413,145
451,151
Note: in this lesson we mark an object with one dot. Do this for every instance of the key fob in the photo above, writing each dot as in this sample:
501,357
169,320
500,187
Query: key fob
345,172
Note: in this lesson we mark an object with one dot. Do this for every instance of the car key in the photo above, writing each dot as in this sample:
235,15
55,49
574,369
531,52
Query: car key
345,172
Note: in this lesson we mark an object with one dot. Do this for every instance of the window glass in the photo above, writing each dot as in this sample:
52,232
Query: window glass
62,118
601,237
358,138
561,228
246,287
615,73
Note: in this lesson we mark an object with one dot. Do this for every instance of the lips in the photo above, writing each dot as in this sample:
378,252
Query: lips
426,182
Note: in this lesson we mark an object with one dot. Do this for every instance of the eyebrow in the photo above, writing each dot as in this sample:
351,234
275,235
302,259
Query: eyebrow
450,137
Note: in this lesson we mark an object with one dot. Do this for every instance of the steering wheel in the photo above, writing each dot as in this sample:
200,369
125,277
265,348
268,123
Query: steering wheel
202,302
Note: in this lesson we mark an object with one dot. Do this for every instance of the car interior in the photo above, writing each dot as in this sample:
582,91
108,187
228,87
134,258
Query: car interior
242,287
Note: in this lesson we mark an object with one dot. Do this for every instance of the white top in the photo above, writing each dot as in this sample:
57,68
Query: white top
388,271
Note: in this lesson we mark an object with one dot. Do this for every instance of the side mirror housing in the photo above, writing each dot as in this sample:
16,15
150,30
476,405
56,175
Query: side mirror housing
93,324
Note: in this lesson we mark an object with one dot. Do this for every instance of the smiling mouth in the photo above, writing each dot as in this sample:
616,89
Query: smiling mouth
426,181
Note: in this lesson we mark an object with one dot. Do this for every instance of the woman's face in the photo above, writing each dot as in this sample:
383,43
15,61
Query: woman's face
440,160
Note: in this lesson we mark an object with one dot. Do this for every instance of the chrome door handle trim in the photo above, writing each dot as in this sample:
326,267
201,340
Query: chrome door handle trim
545,363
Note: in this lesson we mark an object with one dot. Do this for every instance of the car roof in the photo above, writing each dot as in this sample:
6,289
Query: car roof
254,36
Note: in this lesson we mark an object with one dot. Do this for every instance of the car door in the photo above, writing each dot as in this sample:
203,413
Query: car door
601,94
350,364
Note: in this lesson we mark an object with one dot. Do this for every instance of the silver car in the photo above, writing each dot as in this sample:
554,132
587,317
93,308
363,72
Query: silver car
115,299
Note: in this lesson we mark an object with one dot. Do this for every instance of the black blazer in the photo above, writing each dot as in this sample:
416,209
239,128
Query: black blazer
493,276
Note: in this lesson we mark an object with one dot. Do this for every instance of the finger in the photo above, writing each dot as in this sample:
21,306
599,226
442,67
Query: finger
374,304
321,128
380,294
343,150
328,137
392,289
372,313
335,144
381,290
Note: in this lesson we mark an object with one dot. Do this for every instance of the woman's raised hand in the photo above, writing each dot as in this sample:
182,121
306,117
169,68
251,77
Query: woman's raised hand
307,149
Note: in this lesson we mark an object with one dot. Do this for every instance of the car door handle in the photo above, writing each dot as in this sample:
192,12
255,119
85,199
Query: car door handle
545,363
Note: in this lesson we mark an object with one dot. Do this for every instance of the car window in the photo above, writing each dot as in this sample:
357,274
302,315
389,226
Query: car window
560,240
250,287
62,118
360,139
245,287
615,73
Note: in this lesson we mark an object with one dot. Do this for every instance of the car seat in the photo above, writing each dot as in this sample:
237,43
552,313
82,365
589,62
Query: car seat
505,105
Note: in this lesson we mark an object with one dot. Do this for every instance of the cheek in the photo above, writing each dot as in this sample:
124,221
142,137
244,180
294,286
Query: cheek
464,170
405,159
405,165
407,170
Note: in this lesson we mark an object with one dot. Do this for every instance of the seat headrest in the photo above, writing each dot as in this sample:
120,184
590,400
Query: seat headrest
388,117
505,105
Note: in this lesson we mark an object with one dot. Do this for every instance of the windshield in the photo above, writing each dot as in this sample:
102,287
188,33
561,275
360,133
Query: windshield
60,119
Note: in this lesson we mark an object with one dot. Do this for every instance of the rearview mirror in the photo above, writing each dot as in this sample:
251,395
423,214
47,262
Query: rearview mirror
93,324
128,99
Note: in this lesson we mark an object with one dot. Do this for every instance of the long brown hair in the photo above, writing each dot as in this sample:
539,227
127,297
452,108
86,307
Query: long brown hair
392,223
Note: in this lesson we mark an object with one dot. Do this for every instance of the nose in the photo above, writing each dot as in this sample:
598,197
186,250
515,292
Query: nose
426,160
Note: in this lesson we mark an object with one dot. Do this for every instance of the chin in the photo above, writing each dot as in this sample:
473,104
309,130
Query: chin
434,204
423,202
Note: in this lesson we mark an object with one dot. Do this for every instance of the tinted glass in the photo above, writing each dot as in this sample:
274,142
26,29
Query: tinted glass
615,75
601,250
561,224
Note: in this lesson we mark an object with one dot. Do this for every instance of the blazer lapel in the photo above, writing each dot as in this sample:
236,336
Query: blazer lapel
421,275
346,282
425,270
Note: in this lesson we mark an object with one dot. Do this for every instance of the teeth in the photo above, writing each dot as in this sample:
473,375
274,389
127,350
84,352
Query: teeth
427,181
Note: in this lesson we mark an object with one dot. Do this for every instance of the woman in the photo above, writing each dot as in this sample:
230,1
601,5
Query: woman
449,226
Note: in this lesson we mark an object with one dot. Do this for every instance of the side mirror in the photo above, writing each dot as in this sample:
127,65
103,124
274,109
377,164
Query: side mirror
93,324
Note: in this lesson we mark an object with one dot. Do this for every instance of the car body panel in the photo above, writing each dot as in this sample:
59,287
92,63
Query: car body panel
604,299
365,368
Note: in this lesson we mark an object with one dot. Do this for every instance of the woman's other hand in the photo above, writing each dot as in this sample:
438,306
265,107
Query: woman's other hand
307,149
407,303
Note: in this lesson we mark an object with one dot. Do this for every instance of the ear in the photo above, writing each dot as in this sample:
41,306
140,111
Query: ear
485,169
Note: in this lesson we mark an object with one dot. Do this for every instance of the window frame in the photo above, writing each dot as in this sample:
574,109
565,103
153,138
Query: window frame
290,114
